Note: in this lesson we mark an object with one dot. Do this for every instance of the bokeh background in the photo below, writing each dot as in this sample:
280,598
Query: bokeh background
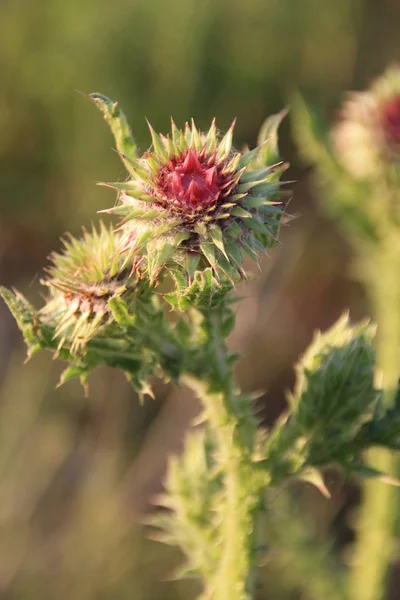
77,475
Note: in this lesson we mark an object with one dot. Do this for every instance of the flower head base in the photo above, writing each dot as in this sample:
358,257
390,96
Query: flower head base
82,280
368,136
193,202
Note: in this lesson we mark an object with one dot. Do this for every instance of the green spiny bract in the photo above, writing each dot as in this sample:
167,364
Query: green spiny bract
367,138
194,203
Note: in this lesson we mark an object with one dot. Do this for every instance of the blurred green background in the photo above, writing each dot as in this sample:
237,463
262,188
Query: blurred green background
76,474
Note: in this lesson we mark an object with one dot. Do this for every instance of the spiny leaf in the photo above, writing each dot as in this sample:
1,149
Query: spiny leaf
269,133
310,132
118,125
18,305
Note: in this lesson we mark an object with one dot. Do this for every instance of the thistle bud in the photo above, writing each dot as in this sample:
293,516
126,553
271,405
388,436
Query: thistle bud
193,202
335,392
81,281
367,137
99,309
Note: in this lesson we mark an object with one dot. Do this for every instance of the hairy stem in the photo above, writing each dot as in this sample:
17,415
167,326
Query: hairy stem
376,524
232,428
232,578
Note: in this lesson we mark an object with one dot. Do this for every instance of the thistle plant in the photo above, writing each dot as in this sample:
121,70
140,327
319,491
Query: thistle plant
191,208
358,169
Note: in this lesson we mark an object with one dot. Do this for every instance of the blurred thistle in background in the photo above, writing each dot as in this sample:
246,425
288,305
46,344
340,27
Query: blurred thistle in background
74,473
368,136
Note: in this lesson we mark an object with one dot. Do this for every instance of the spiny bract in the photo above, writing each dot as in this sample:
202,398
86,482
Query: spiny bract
193,202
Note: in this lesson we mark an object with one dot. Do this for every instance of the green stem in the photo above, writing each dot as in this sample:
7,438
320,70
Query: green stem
376,523
375,536
233,575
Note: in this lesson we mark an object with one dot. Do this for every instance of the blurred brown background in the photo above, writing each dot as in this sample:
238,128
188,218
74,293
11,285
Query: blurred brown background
75,473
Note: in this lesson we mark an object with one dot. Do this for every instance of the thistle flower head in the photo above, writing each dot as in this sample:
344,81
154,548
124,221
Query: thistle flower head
81,281
368,136
193,202
193,183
